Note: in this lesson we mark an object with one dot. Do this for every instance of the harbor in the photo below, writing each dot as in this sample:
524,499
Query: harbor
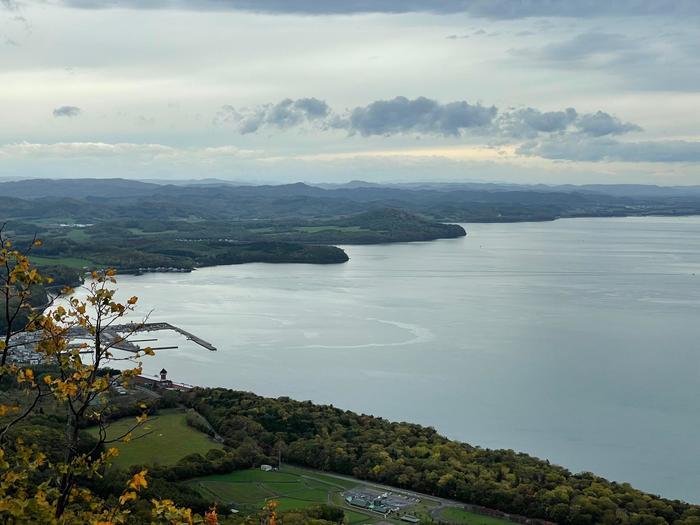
24,345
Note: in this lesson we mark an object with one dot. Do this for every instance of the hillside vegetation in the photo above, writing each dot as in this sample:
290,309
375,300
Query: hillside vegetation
418,458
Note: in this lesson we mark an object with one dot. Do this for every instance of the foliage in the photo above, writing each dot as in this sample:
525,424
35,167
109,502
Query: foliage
52,488
418,458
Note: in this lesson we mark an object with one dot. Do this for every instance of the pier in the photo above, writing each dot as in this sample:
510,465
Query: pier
132,328
115,336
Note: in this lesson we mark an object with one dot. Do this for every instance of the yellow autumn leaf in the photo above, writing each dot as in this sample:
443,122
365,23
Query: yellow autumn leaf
126,497
138,481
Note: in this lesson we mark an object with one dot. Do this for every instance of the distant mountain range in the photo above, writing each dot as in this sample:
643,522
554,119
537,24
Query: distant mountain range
114,188
97,199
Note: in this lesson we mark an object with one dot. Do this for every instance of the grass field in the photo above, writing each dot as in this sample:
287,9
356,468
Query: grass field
462,517
167,439
292,488
316,229
71,262
296,488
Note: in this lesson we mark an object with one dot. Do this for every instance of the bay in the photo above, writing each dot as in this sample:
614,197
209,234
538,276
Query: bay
575,340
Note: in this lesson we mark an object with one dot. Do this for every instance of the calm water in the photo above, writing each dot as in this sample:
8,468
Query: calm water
576,341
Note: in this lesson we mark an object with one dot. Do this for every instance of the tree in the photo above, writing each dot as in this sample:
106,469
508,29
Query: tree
18,281
33,488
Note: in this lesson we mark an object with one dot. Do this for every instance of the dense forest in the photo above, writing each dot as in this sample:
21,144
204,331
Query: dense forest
404,455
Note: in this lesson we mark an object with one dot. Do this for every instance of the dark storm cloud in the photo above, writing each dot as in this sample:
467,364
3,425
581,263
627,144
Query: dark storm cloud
582,148
498,9
67,111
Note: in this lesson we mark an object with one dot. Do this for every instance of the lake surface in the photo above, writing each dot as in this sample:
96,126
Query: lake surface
576,340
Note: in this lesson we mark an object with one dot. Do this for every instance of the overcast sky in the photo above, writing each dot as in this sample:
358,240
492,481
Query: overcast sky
537,91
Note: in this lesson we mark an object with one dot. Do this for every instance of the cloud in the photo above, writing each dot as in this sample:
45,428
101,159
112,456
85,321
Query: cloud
421,115
97,150
531,122
67,111
496,9
285,114
586,149
667,62
599,124
585,46
82,149
528,122
399,115
559,135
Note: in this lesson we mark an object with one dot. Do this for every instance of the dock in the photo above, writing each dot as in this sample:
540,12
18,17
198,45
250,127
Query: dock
153,327
114,336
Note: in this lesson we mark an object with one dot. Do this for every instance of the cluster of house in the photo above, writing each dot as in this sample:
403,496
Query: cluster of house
24,349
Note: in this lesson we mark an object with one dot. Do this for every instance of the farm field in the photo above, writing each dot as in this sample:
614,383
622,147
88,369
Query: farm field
292,488
167,438
462,517
296,488
70,262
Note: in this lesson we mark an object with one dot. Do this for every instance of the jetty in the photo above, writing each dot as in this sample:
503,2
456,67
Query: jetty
117,336
132,328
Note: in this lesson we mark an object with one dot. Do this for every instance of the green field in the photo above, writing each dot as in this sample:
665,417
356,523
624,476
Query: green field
296,488
167,438
71,262
316,229
292,488
462,517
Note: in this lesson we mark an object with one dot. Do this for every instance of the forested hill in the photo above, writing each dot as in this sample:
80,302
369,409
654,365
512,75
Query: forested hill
418,458
87,200
136,226
135,245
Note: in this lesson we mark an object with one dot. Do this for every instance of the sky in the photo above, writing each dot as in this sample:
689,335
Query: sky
264,91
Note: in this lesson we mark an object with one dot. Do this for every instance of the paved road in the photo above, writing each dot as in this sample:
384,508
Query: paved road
442,503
